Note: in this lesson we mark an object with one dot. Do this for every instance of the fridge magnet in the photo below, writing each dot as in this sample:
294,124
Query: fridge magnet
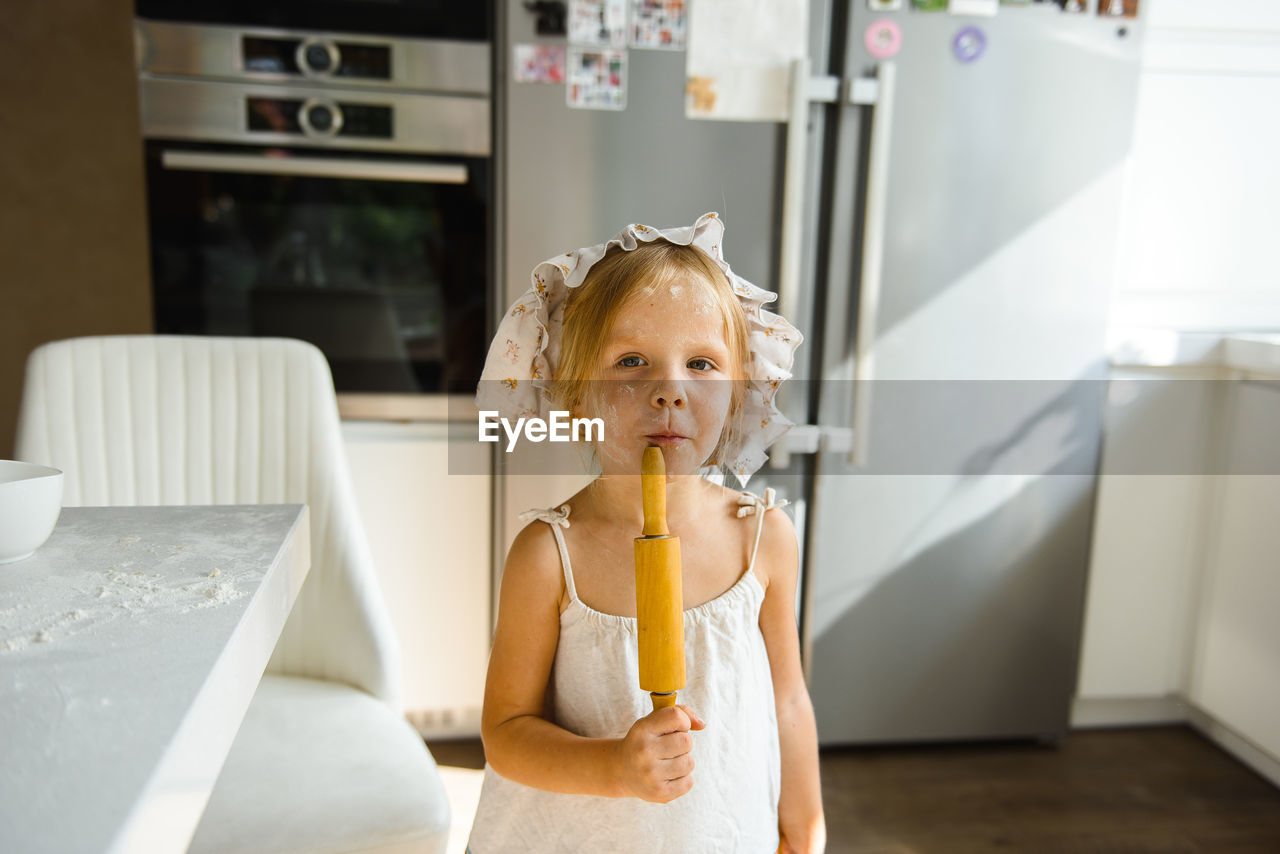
883,39
598,22
702,95
538,63
929,5
739,58
884,5
1118,8
1073,5
597,79
969,44
977,8
661,24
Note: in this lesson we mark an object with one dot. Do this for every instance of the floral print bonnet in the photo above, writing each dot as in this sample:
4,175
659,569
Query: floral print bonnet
524,353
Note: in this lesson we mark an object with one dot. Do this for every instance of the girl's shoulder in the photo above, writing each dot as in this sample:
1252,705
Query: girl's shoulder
534,556
777,550
725,503
779,531
729,503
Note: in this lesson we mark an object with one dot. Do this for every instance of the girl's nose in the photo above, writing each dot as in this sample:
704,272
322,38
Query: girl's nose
668,394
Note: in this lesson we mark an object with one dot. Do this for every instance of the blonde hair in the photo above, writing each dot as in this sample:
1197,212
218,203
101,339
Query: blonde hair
612,283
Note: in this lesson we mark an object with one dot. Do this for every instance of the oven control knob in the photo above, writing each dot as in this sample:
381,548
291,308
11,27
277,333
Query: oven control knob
318,57
320,117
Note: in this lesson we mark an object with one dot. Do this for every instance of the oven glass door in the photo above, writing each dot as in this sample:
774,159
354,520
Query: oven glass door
379,261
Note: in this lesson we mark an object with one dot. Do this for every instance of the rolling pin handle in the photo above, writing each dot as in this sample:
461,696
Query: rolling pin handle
653,480
663,700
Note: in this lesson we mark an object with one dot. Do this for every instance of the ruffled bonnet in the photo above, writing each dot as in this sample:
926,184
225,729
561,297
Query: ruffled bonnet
525,351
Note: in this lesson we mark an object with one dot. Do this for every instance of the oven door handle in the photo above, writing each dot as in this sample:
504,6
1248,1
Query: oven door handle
317,167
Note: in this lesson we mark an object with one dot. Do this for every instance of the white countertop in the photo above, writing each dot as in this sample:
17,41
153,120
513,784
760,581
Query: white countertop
130,646
1248,352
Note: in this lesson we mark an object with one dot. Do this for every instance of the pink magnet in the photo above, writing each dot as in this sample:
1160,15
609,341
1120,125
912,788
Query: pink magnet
883,39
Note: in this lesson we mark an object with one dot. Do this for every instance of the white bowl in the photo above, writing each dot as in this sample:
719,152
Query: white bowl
30,502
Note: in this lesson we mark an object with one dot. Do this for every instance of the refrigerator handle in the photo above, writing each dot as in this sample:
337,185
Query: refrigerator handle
873,236
792,215
793,190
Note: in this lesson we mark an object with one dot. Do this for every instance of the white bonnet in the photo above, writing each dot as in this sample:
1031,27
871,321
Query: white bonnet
524,352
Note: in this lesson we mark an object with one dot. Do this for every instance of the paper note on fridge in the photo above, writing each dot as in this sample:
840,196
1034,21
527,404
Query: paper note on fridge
739,58
985,8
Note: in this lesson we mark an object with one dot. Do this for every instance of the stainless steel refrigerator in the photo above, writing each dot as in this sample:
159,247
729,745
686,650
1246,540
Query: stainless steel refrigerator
956,214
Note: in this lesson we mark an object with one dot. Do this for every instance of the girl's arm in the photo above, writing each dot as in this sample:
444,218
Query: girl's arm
800,817
652,762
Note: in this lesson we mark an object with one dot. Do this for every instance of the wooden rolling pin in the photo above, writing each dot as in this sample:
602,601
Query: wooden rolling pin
659,595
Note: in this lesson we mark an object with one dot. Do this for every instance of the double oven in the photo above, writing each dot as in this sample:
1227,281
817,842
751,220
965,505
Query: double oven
322,170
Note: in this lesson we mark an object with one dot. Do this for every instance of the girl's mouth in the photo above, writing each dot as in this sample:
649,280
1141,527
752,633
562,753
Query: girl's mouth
665,438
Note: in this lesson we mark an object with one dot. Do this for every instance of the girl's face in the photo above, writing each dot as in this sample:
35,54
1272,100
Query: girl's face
667,380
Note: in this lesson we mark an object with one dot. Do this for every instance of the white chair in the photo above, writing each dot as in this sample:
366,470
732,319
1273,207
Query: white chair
324,761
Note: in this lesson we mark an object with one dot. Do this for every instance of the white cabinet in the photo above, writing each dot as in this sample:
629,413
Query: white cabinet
1184,579
1236,673
1148,543
426,504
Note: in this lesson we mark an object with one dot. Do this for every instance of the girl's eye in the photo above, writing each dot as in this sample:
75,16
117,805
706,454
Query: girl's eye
702,364
630,362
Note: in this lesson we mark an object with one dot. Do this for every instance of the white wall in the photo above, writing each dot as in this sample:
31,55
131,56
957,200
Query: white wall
1203,185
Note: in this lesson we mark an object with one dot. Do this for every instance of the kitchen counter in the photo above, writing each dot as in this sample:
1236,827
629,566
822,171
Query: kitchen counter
1244,352
130,646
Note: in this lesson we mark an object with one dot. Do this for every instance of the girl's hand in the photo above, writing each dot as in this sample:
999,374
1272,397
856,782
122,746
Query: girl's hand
655,760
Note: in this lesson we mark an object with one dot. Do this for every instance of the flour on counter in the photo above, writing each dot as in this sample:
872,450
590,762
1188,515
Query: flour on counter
223,592
138,591
21,642
113,593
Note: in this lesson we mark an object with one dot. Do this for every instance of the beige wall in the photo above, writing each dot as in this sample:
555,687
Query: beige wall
73,246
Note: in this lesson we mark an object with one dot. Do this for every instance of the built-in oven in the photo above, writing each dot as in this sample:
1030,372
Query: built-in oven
331,184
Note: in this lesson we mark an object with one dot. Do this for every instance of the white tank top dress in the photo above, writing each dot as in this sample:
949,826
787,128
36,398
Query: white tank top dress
594,686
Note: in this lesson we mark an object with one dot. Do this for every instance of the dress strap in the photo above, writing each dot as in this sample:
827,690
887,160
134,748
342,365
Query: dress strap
557,519
748,504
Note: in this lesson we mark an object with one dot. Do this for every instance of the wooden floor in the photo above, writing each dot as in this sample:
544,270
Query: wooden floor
1165,789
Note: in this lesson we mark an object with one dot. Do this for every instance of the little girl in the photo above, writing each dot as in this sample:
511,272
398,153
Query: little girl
654,334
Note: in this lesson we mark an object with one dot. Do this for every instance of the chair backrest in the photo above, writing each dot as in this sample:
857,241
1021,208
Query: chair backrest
152,420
